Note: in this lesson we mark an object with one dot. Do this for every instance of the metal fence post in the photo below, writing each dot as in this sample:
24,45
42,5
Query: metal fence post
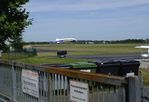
121,94
134,89
13,83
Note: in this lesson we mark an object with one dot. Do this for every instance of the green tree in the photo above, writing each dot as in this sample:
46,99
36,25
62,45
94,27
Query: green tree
13,20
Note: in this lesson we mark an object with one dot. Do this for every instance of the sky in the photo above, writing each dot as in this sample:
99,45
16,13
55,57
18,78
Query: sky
87,19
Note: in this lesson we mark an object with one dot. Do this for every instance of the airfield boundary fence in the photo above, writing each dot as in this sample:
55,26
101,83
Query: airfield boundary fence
29,83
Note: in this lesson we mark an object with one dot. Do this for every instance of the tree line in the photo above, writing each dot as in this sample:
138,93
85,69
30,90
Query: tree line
113,41
139,41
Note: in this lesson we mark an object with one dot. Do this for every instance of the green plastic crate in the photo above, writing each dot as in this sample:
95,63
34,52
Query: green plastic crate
83,66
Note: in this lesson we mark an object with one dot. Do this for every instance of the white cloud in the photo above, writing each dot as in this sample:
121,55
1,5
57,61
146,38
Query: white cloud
85,5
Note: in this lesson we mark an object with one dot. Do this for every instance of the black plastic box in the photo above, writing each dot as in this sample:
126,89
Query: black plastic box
111,68
61,53
119,67
129,67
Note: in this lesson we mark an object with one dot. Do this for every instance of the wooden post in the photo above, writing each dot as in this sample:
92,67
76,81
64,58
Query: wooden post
134,89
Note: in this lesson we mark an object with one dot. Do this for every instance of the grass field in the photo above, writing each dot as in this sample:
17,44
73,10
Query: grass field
145,75
49,55
90,49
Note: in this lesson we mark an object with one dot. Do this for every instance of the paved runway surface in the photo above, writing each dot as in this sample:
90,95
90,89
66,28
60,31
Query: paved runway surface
109,57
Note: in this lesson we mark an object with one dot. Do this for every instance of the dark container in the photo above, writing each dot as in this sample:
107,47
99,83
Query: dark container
111,68
129,67
61,53
118,67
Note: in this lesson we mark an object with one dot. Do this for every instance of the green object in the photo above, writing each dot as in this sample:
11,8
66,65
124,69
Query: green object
83,65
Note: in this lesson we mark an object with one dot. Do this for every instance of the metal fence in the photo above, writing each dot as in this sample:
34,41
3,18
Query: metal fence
28,83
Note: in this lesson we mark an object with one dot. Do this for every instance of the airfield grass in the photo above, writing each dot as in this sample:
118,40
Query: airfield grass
50,56
145,75
41,58
90,49
50,60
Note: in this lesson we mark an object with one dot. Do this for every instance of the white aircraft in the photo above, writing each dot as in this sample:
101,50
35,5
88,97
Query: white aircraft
64,40
144,47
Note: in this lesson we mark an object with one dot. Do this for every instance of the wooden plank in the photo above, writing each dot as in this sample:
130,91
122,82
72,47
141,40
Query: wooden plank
101,78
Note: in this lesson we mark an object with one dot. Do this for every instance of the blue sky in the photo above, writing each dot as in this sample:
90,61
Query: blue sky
87,19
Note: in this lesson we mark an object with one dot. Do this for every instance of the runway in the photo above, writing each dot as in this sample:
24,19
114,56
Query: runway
109,57
98,57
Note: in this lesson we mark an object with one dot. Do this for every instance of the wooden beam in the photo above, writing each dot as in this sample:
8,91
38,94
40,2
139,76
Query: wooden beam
101,78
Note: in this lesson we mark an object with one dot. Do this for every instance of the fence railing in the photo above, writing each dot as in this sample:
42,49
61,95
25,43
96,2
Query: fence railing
28,83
